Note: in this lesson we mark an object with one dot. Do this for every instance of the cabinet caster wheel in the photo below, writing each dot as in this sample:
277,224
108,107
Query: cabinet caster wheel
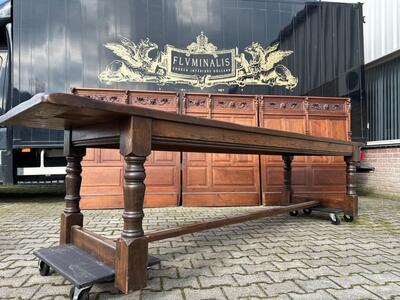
79,294
44,269
348,218
307,211
294,213
334,219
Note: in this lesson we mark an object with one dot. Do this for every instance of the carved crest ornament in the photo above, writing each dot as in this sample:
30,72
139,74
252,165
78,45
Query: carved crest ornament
201,64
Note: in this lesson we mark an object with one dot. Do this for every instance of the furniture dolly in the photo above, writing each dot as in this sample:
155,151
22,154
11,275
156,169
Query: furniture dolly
135,131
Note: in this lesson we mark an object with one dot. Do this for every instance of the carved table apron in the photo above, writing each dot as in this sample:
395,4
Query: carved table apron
135,132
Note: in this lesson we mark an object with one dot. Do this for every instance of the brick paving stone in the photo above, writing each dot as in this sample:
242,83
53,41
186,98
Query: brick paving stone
259,268
293,256
244,291
344,261
261,259
187,263
283,266
13,281
18,293
216,255
286,275
383,278
318,295
349,281
131,296
205,271
165,272
236,261
350,269
377,268
260,277
376,259
38,279
165,295
312,273
236,269
205,294
315,263
355,293
51,290
316,284
280,297
7,273
385,291
154,284
208,282
248,253
24,263
169,284
276,289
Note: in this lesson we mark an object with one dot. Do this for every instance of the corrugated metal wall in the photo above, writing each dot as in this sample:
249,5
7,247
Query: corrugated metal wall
382,85
381,28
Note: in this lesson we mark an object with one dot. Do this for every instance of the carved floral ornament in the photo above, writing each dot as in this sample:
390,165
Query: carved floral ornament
200,65
218,103
197,102
232,104
151,101
106,98
325,106
283,105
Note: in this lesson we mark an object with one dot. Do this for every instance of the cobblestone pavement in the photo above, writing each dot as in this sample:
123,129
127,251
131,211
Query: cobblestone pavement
280,257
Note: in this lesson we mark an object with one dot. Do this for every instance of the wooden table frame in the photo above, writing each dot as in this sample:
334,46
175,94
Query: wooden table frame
137,131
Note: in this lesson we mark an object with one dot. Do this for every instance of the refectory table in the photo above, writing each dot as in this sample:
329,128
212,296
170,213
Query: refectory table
136,131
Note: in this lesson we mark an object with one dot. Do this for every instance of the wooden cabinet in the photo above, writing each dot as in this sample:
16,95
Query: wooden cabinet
212,179
209,179
102,176
311,176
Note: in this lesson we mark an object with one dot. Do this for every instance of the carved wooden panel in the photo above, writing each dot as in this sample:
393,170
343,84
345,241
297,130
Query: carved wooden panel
102,176
312,176
221,179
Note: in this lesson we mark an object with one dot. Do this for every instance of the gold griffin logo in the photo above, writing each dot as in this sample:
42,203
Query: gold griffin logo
201,64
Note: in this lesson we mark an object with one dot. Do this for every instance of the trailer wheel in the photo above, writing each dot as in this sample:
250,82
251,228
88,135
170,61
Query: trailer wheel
307,211
44,269
294,213
335,220
348,218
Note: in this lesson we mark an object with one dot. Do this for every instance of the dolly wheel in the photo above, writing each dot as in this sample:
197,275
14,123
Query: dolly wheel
79,294
307,211
44,269
334,219
294,213
348,218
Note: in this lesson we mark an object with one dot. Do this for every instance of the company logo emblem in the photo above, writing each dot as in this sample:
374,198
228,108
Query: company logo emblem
201,64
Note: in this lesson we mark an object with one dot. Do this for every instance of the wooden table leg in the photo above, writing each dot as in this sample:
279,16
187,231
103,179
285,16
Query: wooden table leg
72,213
351,186
287,179
132,247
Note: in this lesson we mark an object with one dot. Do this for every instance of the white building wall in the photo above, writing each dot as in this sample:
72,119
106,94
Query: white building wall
381,28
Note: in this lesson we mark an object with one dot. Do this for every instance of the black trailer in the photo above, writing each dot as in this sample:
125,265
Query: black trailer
290,47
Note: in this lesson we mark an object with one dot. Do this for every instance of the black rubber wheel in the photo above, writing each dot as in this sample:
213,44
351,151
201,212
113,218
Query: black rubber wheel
294,213
335,220
307,211
84,295
348,218
44,269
